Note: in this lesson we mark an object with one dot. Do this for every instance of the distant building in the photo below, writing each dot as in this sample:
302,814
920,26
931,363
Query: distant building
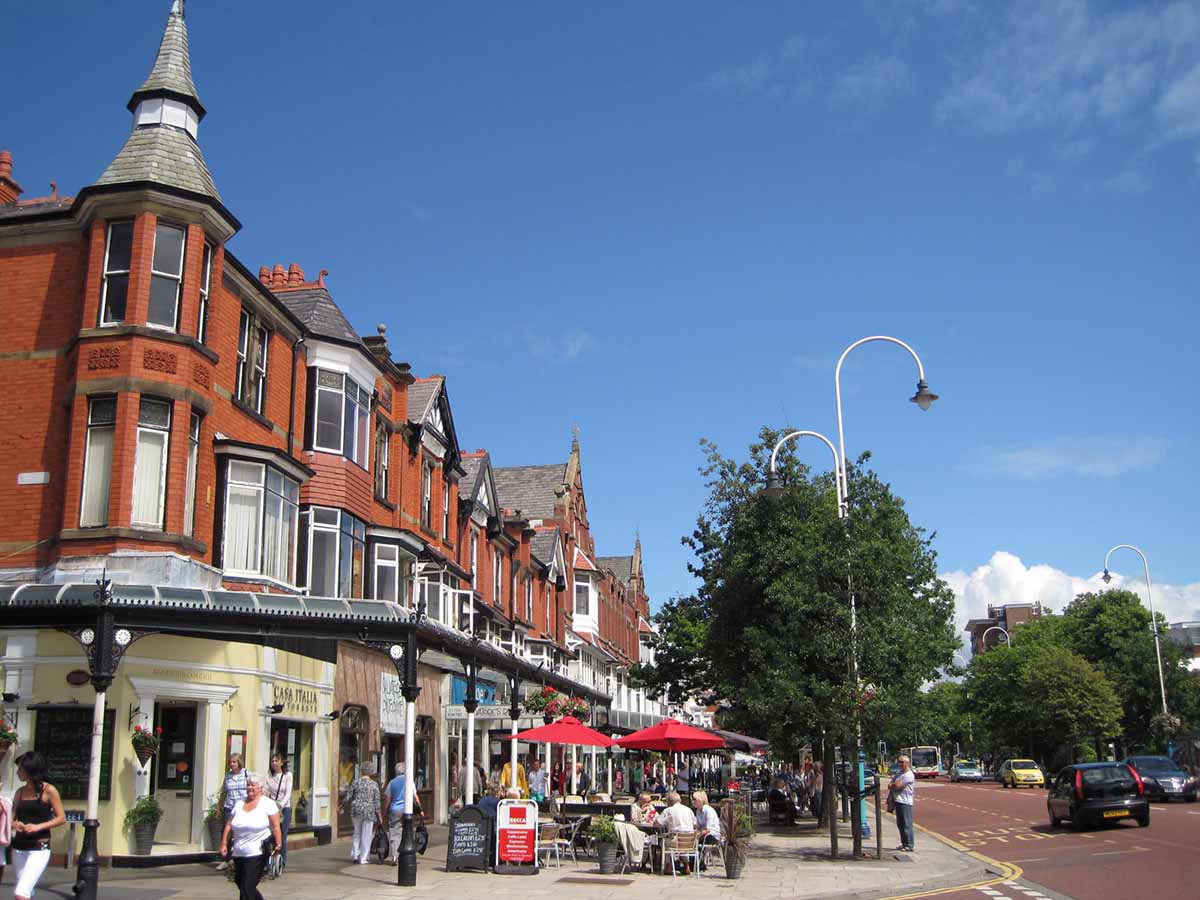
1007,617
1187,634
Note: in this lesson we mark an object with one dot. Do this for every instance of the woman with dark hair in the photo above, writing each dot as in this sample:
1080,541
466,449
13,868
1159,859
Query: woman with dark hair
279,789
37,808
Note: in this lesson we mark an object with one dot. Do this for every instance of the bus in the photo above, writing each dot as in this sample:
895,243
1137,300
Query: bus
926,761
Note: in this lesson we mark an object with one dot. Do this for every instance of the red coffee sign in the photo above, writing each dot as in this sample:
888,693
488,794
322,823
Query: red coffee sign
516,833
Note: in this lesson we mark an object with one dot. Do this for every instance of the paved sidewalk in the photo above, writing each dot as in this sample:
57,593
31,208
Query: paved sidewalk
783,863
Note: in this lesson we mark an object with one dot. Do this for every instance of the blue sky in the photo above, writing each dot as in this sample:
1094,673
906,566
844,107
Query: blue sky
665,221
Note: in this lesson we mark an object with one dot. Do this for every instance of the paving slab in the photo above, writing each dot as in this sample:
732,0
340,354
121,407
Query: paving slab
782,863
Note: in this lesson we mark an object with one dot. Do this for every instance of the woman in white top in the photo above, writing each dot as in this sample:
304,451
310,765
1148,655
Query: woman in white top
254,821
279,789
708,823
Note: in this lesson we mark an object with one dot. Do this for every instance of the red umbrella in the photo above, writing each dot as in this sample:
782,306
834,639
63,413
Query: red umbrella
673,736
567,730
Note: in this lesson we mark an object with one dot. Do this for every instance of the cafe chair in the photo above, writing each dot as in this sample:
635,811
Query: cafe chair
568,838
685,845
547,842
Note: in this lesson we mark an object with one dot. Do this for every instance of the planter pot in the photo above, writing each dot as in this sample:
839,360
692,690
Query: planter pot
144,754
734,863
548,719
143,837
607,854
215,828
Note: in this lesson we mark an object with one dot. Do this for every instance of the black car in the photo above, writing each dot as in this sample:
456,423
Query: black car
1095,793
1164,779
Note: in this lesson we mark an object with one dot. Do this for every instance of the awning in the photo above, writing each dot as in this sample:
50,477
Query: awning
735,741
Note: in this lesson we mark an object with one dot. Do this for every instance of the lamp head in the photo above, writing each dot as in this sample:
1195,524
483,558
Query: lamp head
924,397
1106,578
774,489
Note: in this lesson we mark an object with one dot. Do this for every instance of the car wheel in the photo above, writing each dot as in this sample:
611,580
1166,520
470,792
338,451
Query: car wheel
1055,821
1004,784
1144,821
1191,799
1077,823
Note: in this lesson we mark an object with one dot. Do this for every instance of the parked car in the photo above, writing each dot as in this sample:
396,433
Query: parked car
1094,793
1021,773
1164,778
966,770
998,772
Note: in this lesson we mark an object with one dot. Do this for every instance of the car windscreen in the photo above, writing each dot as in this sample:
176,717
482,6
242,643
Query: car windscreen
1105,774
1156,765
1024,764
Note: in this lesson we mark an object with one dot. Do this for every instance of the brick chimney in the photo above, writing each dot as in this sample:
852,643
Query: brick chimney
9,189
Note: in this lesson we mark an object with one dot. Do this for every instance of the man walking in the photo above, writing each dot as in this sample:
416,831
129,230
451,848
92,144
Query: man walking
901,791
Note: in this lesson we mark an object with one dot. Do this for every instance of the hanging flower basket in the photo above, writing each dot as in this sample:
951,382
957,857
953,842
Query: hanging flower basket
146,742
8,737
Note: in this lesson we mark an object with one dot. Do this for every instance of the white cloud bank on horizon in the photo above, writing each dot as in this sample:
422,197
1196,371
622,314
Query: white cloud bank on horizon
1006,579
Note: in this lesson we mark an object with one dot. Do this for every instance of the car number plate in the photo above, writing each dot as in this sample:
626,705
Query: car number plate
1116,813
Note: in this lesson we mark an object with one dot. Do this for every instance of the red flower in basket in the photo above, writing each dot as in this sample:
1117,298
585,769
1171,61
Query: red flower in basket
146,742
8,736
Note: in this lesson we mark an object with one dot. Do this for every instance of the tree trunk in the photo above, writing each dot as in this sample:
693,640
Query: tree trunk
850,753
829,807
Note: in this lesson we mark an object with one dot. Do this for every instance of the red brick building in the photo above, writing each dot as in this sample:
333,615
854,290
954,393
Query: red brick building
177,419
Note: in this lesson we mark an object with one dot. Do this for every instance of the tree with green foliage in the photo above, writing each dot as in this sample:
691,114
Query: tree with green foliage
768,629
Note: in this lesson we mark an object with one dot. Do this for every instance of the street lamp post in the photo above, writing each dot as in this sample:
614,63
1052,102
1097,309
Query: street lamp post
514,712
1162,683
924,398
989,630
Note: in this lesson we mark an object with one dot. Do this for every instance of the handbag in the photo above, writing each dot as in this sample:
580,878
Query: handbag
891,803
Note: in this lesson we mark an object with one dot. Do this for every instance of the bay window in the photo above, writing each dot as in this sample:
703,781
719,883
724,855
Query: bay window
166,275
334,551
583,603
251,378
189,490
115,290
97,462
342,414
392,571
150,462
261,509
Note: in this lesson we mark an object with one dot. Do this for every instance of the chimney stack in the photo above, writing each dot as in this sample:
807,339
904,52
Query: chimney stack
264,275
9,189
278,276
295,274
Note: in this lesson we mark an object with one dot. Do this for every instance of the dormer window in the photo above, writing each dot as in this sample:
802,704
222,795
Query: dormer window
117,255
166,275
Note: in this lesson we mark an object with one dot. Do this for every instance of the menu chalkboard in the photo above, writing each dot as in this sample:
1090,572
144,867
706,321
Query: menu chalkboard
63,734
470,841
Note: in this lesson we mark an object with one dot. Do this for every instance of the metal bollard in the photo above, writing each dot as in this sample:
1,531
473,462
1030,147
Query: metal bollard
878,817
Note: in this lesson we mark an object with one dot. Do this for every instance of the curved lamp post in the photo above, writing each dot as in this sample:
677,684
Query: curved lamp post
1162,684
775,484
1007,637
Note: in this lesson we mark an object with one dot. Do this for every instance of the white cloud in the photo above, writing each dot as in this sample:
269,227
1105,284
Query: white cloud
1006,579
1094,457
1065,63
871,82
562,347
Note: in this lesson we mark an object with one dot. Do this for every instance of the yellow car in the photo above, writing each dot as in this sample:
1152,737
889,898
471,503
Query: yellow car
1021,773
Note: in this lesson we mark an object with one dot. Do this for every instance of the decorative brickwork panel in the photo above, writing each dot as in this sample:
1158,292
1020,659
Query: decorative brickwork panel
160,361
103,358
201,375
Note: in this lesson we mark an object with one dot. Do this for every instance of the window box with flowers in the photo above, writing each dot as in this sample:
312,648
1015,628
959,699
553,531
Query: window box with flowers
552,704
146,742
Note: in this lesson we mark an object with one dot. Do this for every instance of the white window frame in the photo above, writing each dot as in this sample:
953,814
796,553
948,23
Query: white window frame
205,290
379,562
548,605
529,600
94,427
497,578
445,507
104,319
586,583
260,548
383,458
193,461
474,558
178,279
426,494
251,376
337,529
148,430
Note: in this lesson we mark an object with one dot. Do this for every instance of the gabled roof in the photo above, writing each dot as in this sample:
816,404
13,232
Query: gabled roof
161,154
544,545
474,465
620,566
531,489
582,563
320,314
429,407
420,398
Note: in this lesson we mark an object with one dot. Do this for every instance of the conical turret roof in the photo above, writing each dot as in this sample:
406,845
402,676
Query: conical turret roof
172,69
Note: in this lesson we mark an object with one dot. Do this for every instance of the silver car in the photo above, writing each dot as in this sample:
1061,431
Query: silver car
966,770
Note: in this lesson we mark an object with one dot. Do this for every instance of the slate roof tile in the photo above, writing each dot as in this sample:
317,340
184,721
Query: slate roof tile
319,313
531,489
163,155
621,566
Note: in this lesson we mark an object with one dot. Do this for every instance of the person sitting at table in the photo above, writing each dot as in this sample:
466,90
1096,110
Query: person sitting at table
778,802
659,788
707,820
676,818
644,812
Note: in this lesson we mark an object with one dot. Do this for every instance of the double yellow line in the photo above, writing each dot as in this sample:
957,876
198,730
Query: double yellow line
1009,871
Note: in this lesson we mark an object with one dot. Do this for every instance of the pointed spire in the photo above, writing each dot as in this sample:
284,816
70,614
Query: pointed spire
162,149
171,74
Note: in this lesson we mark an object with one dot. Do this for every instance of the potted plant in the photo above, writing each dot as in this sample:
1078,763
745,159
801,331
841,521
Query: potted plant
739,831
146,742
214,820
8,736
604,834
142,820
574,706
